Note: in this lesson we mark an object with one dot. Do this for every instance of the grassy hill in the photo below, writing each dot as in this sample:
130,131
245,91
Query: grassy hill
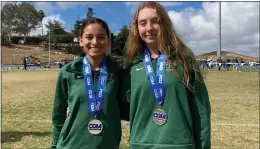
225,55
14,54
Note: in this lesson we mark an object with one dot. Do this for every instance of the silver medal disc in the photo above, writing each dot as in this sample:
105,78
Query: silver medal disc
159,116
95,126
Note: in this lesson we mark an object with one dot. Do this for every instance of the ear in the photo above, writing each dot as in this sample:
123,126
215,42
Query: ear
80,42
108,50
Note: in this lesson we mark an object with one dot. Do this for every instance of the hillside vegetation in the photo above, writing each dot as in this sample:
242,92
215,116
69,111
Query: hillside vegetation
14,54
225,55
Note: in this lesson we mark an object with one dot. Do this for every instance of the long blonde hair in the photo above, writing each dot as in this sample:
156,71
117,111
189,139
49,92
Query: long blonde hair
170,44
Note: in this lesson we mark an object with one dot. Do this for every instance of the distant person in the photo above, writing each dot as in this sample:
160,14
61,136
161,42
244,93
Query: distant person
60,65
228,63
224,64
240,64
39,64
204,63
28,60
251,65
65,62
25,63
235,64
210,64
219,63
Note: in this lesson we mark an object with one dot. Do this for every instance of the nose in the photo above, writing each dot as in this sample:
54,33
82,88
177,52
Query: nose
149,26
94,41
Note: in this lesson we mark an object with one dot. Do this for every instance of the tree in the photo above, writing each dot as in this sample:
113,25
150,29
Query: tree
55,27
26,19
78,24
8,17
90,13
119,42
77,27
41,16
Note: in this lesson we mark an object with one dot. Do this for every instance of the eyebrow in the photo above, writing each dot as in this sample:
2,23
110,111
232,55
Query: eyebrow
157,18
92,34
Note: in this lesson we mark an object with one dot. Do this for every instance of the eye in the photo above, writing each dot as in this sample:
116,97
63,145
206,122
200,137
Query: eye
89,37
102,37
142,23
155,21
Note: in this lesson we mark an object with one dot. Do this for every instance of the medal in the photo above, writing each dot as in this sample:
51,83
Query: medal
95,127
156,83
159,116
95,100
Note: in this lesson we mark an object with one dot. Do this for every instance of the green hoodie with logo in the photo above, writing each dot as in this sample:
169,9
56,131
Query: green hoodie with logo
72,132
188,112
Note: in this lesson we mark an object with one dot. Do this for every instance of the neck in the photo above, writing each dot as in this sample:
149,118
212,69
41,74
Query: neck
95,62
153,51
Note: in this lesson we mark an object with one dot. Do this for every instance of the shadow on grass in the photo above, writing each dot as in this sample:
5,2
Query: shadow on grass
16,136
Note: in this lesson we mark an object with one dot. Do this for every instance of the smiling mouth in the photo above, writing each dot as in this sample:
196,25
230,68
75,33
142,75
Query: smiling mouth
95,48
150,35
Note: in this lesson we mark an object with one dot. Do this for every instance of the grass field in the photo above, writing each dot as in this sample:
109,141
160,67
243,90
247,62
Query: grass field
27,106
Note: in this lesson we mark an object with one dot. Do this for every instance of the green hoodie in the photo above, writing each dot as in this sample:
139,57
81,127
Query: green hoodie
188,123
72,132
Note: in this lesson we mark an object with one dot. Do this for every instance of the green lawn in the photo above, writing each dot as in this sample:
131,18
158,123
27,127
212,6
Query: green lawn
27,106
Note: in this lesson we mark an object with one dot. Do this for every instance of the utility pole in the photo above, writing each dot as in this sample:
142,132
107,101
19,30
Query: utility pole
219,31
49,48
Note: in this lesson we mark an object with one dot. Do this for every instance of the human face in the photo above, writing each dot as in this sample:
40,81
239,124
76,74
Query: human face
94,40
148,26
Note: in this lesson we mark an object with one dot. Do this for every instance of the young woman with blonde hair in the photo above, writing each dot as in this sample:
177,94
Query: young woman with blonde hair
169,103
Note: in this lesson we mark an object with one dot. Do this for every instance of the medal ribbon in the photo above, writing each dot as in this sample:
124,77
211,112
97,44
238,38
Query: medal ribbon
156,82
95,101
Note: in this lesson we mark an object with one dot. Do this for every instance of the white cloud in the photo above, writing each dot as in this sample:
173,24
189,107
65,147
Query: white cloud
45,21
46,7
51,7
4,3
116,32
133,5
166,4
69,5
239,27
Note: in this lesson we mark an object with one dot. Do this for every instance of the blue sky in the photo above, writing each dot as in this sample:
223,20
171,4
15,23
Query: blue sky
195,22
116,14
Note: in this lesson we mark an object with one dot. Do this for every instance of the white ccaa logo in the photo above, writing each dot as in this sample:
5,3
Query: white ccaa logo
146,58
161,66
88,81
87,70
100,93
92,107
98,105
152,80
149,68
156,93
160,79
